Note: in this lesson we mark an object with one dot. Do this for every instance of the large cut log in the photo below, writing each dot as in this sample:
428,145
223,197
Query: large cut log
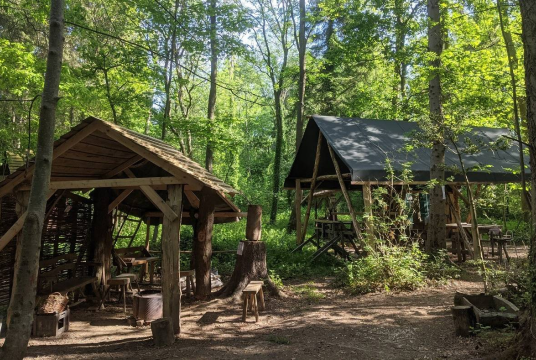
162,330
464,320
250,262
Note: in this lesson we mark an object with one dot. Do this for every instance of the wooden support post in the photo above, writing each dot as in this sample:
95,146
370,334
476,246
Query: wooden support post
367,199
101,235
203,243
312,189
297,203
254,223
145,269
171,291
346,196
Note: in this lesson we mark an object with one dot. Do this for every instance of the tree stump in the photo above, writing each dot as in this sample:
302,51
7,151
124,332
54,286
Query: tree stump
249,266
464,319
162,330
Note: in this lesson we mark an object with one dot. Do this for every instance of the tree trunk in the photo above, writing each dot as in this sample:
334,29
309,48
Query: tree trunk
21,306
436,238
101,234
203,243
277,157
168,75
300,104
510,52
528,15
209,158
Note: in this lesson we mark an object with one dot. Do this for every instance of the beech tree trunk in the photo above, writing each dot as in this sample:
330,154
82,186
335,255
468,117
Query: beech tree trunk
102,242
528,15
22,304
436,238
203,243
209,158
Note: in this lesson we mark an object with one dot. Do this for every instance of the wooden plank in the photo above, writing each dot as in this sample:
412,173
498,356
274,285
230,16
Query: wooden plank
155,159
84,164
58,151
153,197
119,199
297,203
72,154
104,142
110,183
312,189
67,170
186,214
367,199
325,177
121,167
171,292
192,198
346,196
95,149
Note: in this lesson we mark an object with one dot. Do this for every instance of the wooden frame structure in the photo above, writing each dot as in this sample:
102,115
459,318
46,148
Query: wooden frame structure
148,177
346,154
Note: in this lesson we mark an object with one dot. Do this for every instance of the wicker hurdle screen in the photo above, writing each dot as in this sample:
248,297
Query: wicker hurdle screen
66,231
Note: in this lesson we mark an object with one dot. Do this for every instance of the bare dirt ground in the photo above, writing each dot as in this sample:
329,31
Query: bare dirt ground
315,321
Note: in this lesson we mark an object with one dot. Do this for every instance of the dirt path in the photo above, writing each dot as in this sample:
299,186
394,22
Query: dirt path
314,322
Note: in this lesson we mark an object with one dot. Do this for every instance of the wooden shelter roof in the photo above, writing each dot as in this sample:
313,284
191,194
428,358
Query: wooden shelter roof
96,150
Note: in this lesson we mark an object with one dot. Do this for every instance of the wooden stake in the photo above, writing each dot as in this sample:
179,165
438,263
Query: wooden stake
171,291
312,189
367,199
346,196
297,204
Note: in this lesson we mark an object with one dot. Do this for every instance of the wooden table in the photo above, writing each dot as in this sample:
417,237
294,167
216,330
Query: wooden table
334,234
151,260
467,227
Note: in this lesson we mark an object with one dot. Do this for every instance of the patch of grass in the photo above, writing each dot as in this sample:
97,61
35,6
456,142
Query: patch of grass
309,292
279,339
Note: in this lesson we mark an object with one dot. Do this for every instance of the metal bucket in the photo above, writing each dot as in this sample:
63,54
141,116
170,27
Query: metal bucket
147,305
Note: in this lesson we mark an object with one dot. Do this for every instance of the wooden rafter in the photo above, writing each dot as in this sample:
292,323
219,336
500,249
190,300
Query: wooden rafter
186,214
119,169
110,183
58,151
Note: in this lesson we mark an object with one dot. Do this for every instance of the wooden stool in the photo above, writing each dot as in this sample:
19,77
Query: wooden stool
190,285
133,279
120,283
251,292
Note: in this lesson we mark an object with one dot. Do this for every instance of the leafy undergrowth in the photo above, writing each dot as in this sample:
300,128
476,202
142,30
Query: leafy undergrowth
395,268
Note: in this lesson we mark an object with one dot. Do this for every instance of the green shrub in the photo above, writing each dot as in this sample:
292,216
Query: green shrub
393,268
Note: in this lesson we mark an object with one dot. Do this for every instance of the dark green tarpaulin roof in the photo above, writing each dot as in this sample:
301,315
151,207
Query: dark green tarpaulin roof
364,145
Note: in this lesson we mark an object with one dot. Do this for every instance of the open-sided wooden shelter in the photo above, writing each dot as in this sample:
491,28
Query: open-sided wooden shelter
144,177
346,154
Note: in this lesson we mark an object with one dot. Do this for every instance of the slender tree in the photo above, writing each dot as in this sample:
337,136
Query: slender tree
528,15
209,158
21,306
436,228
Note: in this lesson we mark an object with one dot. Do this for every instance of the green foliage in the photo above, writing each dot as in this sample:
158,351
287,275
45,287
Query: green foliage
393,268
309,292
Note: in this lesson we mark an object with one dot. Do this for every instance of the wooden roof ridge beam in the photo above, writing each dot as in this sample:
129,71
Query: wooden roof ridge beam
57,152
119,136
153,197
119,199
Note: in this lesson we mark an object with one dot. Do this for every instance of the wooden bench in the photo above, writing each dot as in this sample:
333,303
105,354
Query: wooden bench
251,292
52,270
135,256
122,283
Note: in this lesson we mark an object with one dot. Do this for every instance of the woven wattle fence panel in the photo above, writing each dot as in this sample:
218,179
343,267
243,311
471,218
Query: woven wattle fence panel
7,256
66,231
